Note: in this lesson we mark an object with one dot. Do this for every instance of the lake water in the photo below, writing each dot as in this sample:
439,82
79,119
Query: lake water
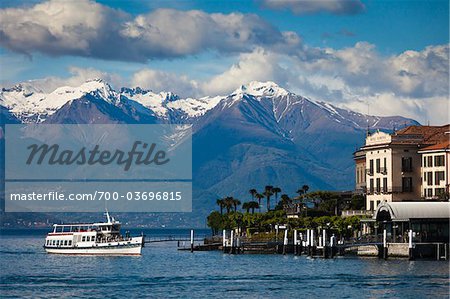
162,271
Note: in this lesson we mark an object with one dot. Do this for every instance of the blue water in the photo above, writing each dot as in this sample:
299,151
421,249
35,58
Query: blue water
162,272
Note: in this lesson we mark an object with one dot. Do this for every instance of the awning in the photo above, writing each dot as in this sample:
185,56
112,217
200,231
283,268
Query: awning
405,211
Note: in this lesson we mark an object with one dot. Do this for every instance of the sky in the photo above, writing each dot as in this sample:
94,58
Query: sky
382,57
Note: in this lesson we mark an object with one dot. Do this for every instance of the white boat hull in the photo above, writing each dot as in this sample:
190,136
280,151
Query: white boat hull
112,250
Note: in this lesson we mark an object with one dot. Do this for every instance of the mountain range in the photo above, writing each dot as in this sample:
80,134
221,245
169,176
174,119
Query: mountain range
260,134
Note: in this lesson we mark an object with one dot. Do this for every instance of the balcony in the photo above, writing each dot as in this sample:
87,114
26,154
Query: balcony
369,172
383,170
391,190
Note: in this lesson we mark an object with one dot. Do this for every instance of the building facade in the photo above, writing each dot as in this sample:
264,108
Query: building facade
435,171
393,165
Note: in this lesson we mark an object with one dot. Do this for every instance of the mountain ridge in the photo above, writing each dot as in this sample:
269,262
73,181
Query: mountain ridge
260,134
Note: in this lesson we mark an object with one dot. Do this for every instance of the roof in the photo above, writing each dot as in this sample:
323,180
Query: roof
439,146
430,134
404,211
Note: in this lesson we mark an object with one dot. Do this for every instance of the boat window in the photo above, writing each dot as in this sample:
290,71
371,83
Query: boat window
65,242
83,239
57,242
54,242
70,243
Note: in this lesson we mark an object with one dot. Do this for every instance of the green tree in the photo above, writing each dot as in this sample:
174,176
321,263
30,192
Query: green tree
251,205
221,204
215,222
259,196
305,189
358,202
228,203
268,193
236,203
275,191
253,192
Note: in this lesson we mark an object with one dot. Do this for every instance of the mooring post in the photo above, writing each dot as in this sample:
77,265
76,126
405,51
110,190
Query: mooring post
410,245
192,240
324,243
224,240
302,244
232,241
313,243
332,244
295,242
385,249
285,240
308,242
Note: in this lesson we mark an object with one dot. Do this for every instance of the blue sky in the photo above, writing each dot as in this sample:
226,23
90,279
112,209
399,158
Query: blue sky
327,50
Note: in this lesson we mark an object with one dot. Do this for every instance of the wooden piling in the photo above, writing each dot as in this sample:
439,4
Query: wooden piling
295,242
410,245
385,249
285,241
192,240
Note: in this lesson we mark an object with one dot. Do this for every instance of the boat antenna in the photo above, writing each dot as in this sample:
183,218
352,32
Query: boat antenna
107,216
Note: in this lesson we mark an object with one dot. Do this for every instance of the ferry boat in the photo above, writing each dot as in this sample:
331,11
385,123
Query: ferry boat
101,238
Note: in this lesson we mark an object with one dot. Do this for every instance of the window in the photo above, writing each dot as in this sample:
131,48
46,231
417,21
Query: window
407,184
430,178
424,161
439,160
430,192
371,167
65,242
378,165
371,186
384,166
438,177
406,164
378,185
385,189
83,239
69,243
54,242
430,161
57,242
371,205
439,191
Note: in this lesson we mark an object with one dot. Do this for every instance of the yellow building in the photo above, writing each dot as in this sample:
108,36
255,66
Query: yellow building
394,164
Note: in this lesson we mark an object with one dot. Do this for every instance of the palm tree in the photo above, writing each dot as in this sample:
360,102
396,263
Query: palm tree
305,188
221,204
228,203
246,206
236,202
268,193
253,205
253,193
259,196
285,200
276,190
300,192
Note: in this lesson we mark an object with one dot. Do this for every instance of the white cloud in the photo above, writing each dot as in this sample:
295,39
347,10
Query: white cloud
339,7
159,81
78,77
260,65
86,28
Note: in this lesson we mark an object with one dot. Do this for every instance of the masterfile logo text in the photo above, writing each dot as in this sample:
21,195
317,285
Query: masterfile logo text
130,168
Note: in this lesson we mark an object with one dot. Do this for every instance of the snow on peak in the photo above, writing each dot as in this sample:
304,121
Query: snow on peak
259,89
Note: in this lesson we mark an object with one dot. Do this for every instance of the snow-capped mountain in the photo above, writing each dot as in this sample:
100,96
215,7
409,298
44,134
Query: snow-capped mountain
33,105
260,134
